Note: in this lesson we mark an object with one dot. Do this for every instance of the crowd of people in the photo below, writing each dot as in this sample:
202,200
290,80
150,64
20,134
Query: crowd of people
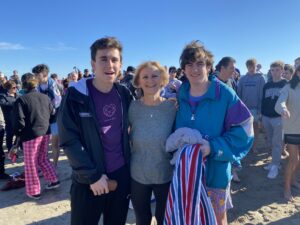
114,128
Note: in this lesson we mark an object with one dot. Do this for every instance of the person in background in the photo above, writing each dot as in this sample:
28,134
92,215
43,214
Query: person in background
50,88
16,79
32,113
7,101
225,123
151,120
271,120
3,80
289,70
86,73
3,175
250,90
288,107
172,88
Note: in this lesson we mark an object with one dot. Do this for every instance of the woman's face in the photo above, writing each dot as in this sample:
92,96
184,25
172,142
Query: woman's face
196,72
13,89
150,80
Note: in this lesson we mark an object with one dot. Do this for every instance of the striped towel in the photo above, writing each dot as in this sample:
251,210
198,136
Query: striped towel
188,203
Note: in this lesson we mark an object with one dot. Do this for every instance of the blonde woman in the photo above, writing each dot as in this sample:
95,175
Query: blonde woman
151,120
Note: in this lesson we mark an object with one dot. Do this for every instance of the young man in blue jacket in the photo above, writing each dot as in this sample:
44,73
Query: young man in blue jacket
93,129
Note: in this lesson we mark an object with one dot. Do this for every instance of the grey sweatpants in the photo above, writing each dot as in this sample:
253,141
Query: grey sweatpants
273,127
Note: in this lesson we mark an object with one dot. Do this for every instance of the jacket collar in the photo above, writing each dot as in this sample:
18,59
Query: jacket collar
213,91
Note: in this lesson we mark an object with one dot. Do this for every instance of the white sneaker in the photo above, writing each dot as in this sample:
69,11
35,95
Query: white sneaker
268,167
273,172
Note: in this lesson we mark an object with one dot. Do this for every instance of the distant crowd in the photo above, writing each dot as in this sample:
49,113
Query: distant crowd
179,134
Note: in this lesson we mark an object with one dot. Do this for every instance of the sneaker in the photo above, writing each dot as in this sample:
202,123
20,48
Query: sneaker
52,185
273,172
268,167
4,176
36,197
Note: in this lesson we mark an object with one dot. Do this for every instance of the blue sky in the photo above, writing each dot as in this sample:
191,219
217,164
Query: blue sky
60,32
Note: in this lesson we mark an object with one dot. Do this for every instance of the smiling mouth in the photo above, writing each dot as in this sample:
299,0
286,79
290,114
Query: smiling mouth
109,73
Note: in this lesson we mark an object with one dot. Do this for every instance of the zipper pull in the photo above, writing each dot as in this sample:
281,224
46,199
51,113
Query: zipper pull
193,117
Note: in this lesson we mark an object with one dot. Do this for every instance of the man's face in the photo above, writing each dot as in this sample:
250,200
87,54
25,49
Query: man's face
196,71
251,69
172,73
276,72
107,65
42,76
228,71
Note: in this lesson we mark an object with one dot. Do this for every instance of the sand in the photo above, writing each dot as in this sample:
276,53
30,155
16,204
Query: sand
257,199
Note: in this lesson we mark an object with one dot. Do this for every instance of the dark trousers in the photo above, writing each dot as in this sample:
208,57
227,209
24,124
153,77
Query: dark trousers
141,201
86,209
9,135
2,155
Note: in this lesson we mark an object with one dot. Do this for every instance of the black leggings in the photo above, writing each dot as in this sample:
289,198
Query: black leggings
141,201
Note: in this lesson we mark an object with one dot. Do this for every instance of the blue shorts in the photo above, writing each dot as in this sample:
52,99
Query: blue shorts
54,128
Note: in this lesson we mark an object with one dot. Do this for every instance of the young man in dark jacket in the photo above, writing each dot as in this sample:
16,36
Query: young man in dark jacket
93,129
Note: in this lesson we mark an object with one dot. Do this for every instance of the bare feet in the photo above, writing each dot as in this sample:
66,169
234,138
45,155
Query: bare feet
288,196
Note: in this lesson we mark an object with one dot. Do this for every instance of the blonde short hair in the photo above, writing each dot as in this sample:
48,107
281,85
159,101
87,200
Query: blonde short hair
161,69
277,64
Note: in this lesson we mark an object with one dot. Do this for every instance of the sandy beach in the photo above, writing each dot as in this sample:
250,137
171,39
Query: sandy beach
257,199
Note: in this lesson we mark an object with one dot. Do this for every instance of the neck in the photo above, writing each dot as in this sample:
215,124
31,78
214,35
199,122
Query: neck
11,93
199,89
222,77
152,99
101,86
276,79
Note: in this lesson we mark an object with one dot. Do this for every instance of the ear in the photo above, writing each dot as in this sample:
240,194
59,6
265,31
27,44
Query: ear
93,65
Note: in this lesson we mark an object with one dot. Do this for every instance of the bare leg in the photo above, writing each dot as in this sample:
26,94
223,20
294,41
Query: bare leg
222,218
290,169
55,149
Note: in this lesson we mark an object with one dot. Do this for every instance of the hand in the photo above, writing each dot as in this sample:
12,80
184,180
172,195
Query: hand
100,187
205,148
286,114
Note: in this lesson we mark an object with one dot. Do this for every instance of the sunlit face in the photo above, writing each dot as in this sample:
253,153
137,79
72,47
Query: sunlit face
228,71
251,69
196,72
74,77
13,89
150,80
287,74
42,76
276,72
107,65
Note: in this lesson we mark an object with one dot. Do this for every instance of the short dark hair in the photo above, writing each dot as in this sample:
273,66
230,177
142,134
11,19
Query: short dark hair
194,51
105,43
224,62
29,81
172,69
40,68
130,69
9,84
54,76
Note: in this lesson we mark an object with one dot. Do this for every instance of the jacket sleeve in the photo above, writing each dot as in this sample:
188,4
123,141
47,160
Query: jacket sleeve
84,168
237,139
240,88
19,121
281,101
4,102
